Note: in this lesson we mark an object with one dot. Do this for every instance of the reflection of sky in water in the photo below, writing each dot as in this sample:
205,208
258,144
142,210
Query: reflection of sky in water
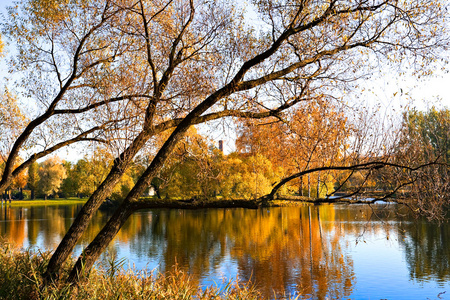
376,258
136,259
378,262
382,272
221,274
217,275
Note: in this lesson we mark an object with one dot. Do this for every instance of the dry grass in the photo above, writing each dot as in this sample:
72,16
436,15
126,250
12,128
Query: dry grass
20,278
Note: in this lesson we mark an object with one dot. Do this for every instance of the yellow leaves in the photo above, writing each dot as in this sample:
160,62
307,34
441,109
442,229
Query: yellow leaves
125,185
51,173
55,11
1,46
247,177
9,110
48,12
12,121
345,38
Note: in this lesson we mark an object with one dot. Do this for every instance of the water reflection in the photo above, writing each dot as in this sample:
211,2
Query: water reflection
309,251
29,226
279,250
427,250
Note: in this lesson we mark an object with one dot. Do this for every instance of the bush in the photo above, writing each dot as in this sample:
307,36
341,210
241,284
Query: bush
26,194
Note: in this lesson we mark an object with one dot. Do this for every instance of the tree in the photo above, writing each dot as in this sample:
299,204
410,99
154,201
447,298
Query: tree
429,131
69,184
244,176
290,26
87,174
33,179
301,140
139,68
426,137
51,174
19,183
192,170
74,99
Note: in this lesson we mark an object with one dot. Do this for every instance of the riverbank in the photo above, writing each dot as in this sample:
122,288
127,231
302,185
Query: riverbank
20,278
42,202
150,202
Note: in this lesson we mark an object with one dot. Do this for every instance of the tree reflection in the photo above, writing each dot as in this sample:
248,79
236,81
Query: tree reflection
295,250
300,255
14,229
278,249
427,250
301,251
36,225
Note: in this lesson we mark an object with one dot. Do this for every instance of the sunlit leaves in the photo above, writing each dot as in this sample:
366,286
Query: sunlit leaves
1,46
33,179
12,122
51,174
302,139
247,177
129,70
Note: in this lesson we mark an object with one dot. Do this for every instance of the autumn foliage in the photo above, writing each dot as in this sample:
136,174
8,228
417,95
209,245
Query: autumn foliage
136,76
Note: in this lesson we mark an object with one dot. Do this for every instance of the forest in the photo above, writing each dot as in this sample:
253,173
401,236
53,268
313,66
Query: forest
266,153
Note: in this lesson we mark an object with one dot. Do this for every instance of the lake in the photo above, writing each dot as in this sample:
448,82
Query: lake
315,252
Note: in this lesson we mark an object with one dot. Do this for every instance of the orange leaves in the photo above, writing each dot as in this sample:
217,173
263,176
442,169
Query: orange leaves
20,181
310,135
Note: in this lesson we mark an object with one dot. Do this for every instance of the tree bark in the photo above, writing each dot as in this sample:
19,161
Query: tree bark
235,85
309,185
300,190
89,208
101,241
318,185
122,213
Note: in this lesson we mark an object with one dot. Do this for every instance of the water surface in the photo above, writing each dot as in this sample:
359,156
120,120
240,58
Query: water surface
316,252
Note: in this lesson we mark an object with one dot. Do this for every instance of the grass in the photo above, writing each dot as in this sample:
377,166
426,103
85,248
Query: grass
41,202
20,278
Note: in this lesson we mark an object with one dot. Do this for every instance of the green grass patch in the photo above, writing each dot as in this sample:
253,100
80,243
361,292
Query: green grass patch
42,202
20,278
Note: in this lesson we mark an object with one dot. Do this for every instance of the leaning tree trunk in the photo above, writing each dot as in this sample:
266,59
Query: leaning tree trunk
109,231
79,225
176,135
89,208
105,236
101,241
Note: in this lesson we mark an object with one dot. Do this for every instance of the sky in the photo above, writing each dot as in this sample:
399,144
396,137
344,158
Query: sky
426,89
389,91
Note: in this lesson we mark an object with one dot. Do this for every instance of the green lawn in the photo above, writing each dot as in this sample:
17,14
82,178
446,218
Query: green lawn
40,202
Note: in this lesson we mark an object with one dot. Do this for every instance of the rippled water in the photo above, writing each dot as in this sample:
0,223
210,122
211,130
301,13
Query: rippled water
316,252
